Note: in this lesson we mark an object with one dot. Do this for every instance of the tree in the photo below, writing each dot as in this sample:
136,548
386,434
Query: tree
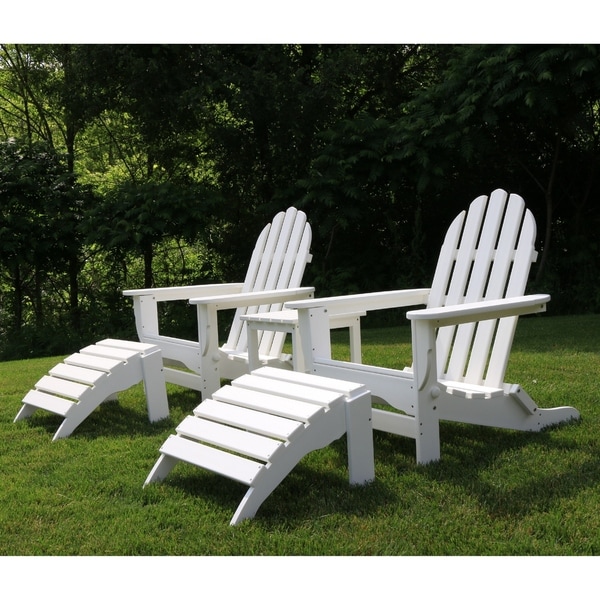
134,218
525,114
39,223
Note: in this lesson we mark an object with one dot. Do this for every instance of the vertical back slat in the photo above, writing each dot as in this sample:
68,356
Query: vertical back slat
496,287
441,283
237,325
487,254
477,281
525,256
290,275
460,274
278,262
270,268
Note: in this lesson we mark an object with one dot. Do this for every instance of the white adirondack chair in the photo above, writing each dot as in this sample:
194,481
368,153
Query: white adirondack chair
461,341
273,277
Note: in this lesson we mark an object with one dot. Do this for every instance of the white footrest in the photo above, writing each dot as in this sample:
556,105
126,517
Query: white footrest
247,419
258,428
237,440
226,464
49,402
96,373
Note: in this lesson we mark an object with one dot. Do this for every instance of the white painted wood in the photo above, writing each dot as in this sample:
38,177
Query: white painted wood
167,294
461,339
234,467
75,388
286,322
89,361
78,374
49,402
107,352
363,303
287,389
274,276
274,404
126,345
237,416
229,438
340,386
246,418
61,387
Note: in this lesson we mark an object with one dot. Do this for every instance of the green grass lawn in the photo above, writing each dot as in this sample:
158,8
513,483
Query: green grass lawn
494,492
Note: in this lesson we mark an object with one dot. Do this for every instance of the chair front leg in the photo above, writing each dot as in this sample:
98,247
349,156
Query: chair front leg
313,328
427,391
145,310
208,336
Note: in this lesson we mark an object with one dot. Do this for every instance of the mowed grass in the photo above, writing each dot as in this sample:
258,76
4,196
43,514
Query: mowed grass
494,492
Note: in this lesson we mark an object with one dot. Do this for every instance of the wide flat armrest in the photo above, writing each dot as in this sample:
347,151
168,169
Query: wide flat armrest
186,292
226,301
481,311
356,303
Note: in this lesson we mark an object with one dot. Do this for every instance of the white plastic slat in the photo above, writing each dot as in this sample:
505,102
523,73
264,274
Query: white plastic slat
303,255
269,403
525,255
55,385
53,404
470,273
282,264
466,251
78,374
255,259
496,287
296,258
268,271
229,438
289,390
348,388
126,345
267,253
235,467
109,352
445,263
441,282
237,326
252,420
283,244
89,361
272,342
286,255
472,391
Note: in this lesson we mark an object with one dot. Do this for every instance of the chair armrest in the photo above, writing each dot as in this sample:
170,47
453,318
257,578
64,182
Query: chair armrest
481,311
225,301
358,303
186,292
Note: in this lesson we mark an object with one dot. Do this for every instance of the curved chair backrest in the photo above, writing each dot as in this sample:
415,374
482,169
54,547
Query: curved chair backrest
486,255
278,261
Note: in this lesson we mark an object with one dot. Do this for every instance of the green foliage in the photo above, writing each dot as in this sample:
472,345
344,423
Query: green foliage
130,151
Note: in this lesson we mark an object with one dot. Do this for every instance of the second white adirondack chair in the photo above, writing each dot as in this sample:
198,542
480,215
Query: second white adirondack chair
273,277
461,341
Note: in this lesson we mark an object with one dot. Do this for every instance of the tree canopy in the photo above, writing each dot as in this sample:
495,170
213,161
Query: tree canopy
137,165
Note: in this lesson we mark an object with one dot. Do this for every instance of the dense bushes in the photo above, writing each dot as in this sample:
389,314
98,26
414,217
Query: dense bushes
130,166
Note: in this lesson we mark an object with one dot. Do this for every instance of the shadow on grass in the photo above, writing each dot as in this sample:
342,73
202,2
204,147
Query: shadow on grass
513,473
310,491
118,418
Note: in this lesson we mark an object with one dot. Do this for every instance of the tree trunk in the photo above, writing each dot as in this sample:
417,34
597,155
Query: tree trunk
18,298
549,197
148,255
74,309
